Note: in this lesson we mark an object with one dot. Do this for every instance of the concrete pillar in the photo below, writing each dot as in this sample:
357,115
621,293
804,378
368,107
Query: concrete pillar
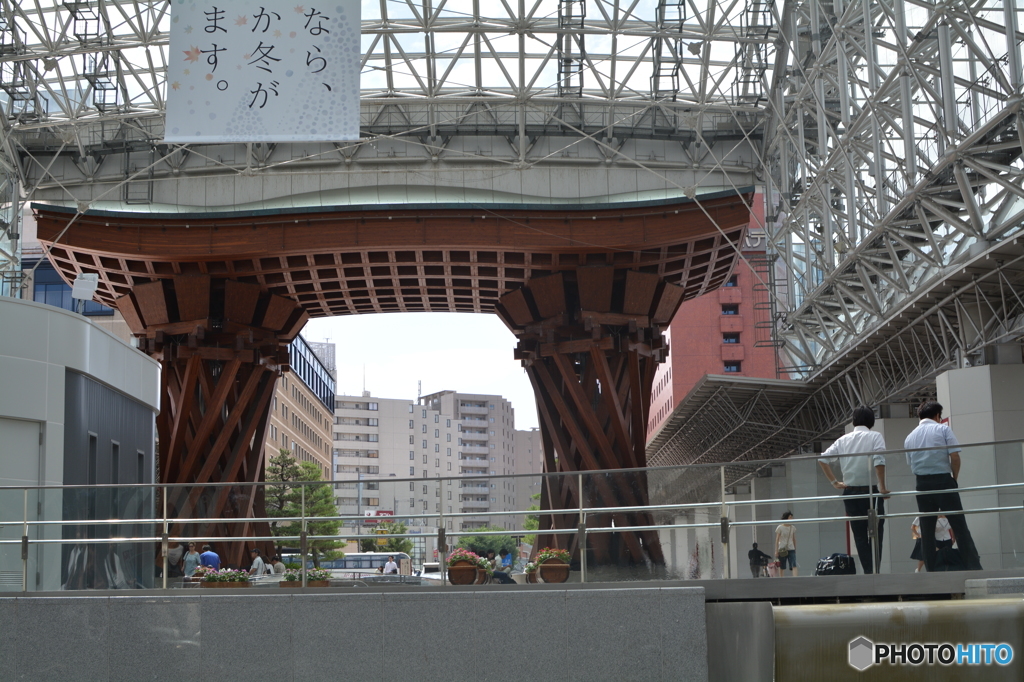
985,404
898,543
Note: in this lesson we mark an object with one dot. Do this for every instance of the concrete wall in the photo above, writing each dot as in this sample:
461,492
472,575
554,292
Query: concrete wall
545,634
40,347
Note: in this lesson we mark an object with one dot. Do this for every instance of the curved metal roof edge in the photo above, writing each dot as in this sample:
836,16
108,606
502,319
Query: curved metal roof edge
599,203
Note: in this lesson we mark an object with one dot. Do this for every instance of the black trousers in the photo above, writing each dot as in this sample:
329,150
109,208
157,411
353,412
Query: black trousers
860,528
947,503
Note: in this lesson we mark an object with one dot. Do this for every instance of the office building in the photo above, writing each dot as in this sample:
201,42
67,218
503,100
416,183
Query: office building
301,411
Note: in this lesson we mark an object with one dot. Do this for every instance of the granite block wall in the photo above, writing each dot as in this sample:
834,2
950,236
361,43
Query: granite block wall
487,634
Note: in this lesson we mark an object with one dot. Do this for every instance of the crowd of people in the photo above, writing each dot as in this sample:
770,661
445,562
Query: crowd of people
933,454
183,560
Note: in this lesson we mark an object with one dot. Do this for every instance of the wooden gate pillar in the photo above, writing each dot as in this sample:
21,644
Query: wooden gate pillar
590,340
222,345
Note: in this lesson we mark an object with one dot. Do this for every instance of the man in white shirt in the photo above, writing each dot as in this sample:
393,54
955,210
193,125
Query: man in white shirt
857,480
935,461
391,568
258,566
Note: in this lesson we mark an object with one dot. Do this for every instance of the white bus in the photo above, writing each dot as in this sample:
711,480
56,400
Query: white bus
361,564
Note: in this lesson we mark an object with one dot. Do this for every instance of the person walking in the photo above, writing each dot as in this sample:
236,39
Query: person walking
943,538
209,558
758,562
785,545
391,568
277,566
935,461
857,481
191,560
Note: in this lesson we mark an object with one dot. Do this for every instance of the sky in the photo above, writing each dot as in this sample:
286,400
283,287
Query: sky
469,353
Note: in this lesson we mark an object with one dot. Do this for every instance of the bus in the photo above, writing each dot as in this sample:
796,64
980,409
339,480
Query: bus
360,564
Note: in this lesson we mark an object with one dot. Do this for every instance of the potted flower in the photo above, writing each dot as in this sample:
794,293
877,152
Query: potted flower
463,566
227,577
199,573
553,565
531,572
315,577
484,571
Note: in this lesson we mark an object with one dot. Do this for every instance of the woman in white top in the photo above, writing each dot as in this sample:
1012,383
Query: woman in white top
785,545
943,538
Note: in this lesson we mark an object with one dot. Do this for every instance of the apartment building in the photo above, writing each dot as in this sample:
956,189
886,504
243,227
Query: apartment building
445,435
302,410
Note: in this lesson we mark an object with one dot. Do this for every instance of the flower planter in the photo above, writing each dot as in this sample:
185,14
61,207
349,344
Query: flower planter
462,573
226,584
553,571
481,576
531,577
309,583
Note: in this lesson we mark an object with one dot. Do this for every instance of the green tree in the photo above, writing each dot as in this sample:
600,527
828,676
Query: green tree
289,500
282,469
396,545
481,544
532,521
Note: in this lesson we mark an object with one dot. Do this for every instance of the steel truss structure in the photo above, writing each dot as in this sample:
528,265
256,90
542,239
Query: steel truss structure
888,136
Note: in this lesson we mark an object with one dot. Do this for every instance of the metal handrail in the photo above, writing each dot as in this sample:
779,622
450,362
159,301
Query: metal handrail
165,520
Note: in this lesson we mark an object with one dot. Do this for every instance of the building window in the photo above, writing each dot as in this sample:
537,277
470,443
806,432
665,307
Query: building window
733,367
372,406
437,433
449,452
449,438
424,444
731,337
410,409
492,407
412,471
412,454
437,418
412,440
437,448
492,420
424,428
733,281
412,487
437,462
372,438
449,469
424,459
731,309
424,414
449,425
412,424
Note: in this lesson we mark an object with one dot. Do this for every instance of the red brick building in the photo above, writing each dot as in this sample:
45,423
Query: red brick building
715,334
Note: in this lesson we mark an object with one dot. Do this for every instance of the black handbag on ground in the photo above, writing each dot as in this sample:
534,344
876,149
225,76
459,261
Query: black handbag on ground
836,564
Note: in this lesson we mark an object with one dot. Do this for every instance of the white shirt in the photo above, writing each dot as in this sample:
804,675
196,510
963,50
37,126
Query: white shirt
931,434
855,469
942,530
786,533
390,567
258,567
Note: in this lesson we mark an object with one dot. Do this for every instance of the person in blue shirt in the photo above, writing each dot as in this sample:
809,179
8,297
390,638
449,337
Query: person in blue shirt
935,461
209,558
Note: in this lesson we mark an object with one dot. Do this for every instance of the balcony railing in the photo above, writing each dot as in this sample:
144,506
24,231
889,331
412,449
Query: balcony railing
105,536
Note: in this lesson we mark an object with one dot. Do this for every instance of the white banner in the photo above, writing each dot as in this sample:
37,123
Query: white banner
280,72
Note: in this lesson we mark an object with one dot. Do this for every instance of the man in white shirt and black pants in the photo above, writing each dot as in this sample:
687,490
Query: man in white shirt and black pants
857,480
936,464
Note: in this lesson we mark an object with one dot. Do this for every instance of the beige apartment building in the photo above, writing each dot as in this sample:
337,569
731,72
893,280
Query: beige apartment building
451,455
302,410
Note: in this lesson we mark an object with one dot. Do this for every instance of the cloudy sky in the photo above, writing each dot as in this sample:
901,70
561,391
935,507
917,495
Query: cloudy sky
457,351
